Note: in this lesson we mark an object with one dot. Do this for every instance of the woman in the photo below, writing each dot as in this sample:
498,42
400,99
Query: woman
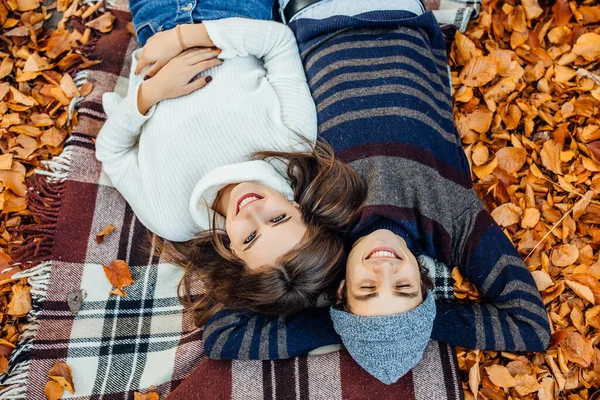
191,148
379,76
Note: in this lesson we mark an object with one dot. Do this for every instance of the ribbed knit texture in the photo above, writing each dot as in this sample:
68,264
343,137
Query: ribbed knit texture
387,346
170,163
380,82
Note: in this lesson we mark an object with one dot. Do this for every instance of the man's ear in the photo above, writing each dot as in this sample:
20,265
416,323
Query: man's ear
295,204
339,297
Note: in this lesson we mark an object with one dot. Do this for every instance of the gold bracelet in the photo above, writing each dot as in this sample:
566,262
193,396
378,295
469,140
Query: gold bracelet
178,29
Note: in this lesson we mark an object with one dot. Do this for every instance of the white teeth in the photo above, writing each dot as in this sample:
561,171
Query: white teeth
383,254
247,200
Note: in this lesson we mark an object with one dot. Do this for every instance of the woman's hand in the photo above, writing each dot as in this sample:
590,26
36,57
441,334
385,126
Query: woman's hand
164,46
173,80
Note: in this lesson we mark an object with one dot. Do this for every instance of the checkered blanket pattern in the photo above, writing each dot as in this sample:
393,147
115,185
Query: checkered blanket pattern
144,342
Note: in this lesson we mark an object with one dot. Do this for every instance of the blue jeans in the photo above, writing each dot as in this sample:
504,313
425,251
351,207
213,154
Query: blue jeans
152,16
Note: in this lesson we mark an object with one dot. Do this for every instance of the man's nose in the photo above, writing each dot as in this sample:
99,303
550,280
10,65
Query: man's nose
385,266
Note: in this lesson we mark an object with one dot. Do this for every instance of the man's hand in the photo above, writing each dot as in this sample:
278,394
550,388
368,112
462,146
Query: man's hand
173,80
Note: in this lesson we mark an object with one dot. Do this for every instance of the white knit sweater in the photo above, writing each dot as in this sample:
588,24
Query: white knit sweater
170,163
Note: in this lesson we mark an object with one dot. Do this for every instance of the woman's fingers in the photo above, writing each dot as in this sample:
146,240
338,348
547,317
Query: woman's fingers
197,84
155,68
204,65
196,57
142,62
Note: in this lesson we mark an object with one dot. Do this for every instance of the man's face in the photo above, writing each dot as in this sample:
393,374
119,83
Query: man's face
382,276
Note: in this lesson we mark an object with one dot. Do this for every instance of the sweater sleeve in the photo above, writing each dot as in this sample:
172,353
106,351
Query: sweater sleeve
244,335
512,316
276,45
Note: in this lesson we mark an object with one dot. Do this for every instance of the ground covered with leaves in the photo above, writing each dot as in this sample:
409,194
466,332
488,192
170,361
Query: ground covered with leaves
526,79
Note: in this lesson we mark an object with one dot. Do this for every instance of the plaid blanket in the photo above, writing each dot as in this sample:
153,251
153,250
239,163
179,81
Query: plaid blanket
144,342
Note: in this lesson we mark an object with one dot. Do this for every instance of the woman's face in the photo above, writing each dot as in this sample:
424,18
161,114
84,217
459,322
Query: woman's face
382,276
262,224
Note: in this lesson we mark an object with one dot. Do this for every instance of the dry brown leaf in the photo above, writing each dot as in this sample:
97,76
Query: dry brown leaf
507,214
58,43
564,255
147,396
550,155
562,12
526,384
590,14
474,379
62,374
581,290
53,390
500,376
532,9
53,137
103,233
511,159
531,217
465,49
35,63
485,170
478,71
27,5
588,46
542,280
574,346
3,365
6,67
68,86
119,275
480,154
6,161
21,300
103,23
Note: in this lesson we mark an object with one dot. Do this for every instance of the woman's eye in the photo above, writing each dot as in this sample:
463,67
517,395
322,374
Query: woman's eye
278,218
405,286
367,287
250,238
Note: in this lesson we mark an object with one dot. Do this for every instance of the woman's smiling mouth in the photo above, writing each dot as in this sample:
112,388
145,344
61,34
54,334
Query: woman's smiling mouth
247,199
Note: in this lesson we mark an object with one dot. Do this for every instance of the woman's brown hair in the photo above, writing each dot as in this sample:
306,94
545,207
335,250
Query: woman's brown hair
330,195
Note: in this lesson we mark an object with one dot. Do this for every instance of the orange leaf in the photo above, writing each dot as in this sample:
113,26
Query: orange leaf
21,300
53,390
104,232
58,43
35,63
68,86
27,5
500,376
478,71
590,14
564,255
53,137
542,280
61,373
6,67
574,346
511,159
581,290
507,214
3,365
20,98
103,23
118,274
588,46
147,396
465,49
6,161
532,9
480,154
551,156
474,378
562,12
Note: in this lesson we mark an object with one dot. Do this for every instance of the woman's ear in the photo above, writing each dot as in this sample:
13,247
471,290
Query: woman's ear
295,204
339,297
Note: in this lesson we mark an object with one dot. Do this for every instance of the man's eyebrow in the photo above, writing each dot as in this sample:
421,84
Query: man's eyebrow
275,224
365,297
410,295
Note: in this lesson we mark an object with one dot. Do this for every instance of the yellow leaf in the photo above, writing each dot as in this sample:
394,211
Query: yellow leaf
542,280
507,214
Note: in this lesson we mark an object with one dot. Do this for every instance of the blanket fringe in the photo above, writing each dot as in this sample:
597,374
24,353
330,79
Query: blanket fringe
44,201
20,359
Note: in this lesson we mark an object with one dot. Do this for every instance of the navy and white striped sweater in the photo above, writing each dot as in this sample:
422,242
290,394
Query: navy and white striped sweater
380,82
